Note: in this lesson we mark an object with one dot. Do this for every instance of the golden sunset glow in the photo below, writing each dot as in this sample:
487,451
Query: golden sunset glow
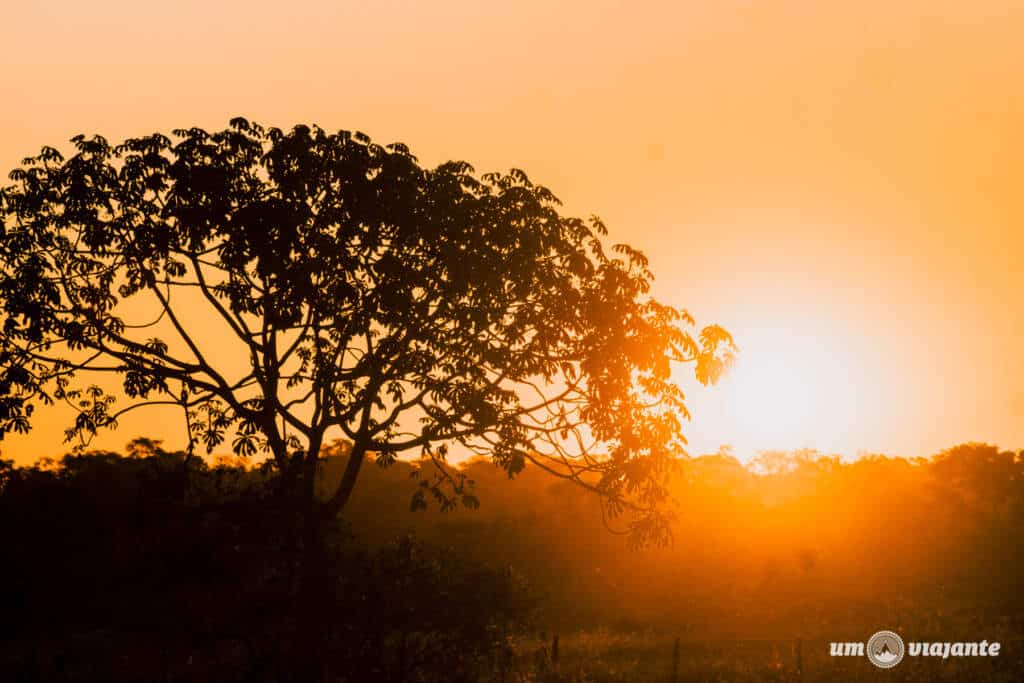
464,341
836,184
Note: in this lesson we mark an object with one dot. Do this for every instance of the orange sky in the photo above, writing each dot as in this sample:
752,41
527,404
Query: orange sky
837,183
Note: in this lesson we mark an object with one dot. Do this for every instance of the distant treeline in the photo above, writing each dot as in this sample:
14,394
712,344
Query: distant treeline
182,554
793,544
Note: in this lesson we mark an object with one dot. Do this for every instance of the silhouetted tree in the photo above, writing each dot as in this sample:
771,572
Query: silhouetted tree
280,287
410,309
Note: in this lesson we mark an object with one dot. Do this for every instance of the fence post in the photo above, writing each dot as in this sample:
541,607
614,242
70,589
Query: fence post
675,661
503,654
402,654
554,652
799,651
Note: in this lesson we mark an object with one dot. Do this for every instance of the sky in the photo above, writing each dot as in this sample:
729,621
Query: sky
838,184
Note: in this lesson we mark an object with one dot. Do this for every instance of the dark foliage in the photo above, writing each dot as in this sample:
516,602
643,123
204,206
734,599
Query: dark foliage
113,574
115,571
363,295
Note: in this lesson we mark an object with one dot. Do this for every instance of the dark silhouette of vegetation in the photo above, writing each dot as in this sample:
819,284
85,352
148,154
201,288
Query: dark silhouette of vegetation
113,575
403,308
117,577
282,289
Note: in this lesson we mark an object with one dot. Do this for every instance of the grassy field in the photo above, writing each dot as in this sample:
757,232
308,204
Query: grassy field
610,657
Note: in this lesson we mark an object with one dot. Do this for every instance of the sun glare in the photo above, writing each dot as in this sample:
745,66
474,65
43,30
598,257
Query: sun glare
796,384
772,397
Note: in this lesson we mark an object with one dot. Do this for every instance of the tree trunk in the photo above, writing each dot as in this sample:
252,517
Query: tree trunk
312,597
315,520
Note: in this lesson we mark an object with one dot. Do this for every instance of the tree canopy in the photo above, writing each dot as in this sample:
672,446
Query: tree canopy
408,309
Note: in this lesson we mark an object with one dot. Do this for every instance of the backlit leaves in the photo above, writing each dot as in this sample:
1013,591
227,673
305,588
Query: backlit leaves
411,309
